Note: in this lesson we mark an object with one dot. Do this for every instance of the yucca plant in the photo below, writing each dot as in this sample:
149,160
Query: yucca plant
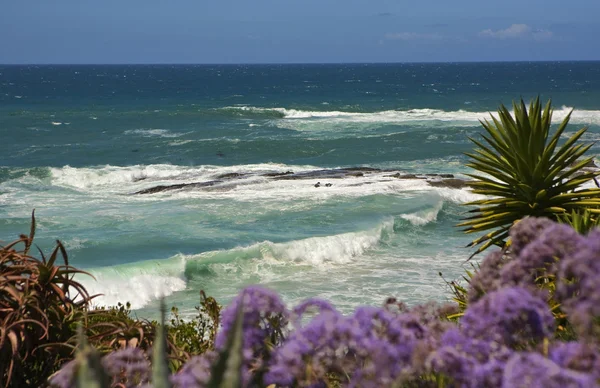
526,172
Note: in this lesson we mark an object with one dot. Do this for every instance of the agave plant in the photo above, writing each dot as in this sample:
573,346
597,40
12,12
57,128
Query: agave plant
526,172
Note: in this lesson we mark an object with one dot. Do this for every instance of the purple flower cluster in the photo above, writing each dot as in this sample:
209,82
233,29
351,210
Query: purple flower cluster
127,368
469,362
373,347
476,353
510,316
196,372
532,370
487,278
538,246
265,320
525,231
578,356
537,261
579,286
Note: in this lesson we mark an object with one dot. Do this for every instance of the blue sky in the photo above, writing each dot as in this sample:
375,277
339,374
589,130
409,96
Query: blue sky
283,31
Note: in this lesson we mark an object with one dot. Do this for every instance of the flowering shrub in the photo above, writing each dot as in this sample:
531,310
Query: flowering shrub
510,335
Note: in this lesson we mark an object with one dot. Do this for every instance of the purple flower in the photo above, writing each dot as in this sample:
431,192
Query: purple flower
578,288
196,372
578,356
320,305
265,321
525,231
311,347
128,366
540,257
510,316
487,277
373,347
531,370
469,362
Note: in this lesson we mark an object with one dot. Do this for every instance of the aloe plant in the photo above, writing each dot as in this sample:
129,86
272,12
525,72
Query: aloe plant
524,171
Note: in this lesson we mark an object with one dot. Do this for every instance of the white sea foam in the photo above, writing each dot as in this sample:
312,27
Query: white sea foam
127,179
416,115
247,185
180,142
459,196
338,249
153,133
424,217
140,283
135,283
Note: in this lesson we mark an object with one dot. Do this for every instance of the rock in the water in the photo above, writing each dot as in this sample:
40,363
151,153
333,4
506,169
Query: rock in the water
405,176
159,189
453,183
276,174
230,175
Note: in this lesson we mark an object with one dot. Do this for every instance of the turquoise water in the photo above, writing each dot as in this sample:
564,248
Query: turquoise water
79,141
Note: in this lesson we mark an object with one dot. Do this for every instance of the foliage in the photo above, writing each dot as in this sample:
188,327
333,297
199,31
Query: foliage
40,304
526,173
583,222
510,332
195,336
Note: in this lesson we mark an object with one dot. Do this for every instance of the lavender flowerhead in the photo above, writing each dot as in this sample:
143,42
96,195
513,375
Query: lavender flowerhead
126,368
372,347
525,231
532,370
265,319
129,367
469,362
487,277
578,356
510,316
578,287
196,372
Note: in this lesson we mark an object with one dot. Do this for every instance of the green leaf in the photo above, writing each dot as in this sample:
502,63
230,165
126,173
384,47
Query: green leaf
227,371
90,372
160,364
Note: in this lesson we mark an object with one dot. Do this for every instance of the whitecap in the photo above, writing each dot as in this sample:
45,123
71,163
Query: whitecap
153,133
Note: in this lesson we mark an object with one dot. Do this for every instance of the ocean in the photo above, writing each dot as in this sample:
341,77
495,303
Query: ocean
171,179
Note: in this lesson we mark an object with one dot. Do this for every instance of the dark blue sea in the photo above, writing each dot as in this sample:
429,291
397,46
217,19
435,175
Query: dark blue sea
168,180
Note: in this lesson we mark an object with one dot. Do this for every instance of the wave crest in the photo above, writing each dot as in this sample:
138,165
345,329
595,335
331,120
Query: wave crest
457,117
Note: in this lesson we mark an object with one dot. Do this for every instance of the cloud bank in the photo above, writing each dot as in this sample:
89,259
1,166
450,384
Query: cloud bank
517,31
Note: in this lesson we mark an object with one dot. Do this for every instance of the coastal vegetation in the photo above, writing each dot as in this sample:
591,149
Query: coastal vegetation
527,316
527,172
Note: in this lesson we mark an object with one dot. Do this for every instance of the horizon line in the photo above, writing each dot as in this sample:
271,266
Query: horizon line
289,63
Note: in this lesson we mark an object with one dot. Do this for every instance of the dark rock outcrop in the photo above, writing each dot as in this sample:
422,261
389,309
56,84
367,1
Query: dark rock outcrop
223,181
159,189
453,183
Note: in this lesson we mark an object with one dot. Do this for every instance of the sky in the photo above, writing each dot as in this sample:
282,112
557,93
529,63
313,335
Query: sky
296,31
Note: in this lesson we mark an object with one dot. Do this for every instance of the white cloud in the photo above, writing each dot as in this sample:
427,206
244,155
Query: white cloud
517,31
514,31
409,36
